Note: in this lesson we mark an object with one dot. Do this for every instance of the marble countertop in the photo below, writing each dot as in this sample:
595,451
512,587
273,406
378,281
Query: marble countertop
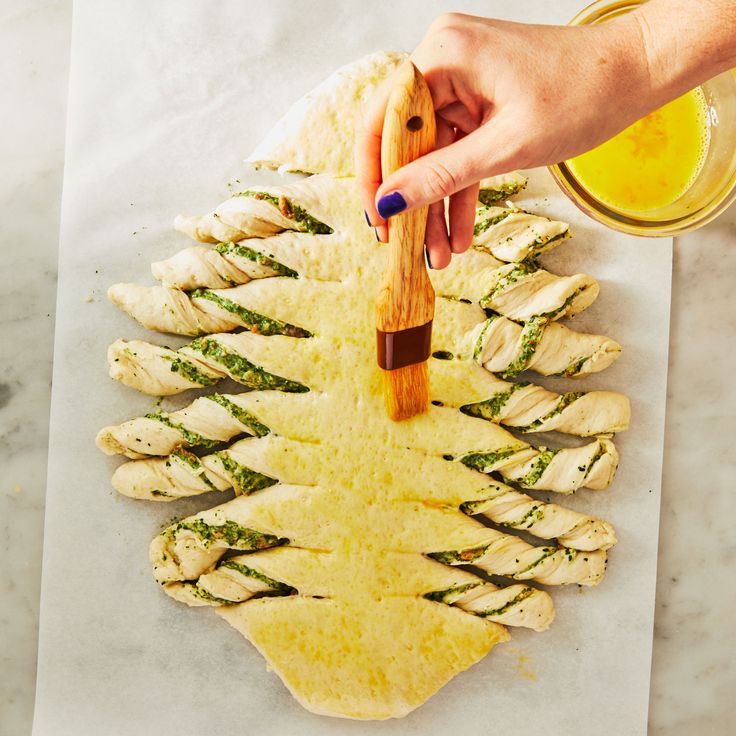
693,674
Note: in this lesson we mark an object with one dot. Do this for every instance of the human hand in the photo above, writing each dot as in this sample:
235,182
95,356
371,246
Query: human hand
506,96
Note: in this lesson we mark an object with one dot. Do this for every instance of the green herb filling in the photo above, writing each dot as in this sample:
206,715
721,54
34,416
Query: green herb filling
254,321
242,370
245,481
240,414
233,534
269,262
304,221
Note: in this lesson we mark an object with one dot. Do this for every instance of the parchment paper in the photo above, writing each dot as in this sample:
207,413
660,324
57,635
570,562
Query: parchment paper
166,99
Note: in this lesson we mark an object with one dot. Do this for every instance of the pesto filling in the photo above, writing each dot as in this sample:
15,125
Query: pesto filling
304,221
531,336
564,307
233,534
530,518
240,414
254,321
460,557
191,438
599,453
479,344
449,595
543,460
489,196
491,408
475,507
540,241
206,596
483,225
574,368
242,370
546,552
245,481
277,587
518,271
506,607
261,258
191,372
565,400
485,461
195,464
539,245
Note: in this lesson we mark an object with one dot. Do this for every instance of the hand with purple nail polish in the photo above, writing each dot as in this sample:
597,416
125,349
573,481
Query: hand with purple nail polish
390,204
512,95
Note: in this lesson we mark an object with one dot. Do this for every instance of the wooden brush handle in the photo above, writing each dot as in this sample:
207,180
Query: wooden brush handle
406,298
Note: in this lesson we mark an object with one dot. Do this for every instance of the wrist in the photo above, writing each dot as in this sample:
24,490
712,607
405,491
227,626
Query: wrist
684,43
628,84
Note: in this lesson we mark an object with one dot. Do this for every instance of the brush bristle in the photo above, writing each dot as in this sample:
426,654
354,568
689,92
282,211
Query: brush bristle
406,391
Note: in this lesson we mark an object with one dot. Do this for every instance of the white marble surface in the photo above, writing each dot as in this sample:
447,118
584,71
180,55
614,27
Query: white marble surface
693,677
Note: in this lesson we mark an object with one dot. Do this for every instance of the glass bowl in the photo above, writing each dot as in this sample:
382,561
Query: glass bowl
713,190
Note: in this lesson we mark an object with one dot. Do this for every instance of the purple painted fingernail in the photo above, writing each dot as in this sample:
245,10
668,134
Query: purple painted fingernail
367,219
429,260
391,204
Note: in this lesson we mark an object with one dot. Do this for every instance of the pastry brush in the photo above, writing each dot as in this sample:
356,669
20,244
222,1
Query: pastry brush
405,304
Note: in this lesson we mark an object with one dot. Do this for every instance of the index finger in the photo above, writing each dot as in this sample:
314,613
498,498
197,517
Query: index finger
368,150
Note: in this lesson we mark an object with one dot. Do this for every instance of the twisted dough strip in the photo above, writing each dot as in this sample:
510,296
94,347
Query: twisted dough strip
200,312
514,605
525,406
252,213
160,371
502,346
206,422
275,306
523,290
493,189
288,254
512,557
517,290
510,508
561,470
186,549
528,408
234,580
225,265
512,234
183,474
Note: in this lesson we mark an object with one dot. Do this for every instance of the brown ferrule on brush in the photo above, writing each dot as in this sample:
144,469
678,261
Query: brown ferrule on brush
404,347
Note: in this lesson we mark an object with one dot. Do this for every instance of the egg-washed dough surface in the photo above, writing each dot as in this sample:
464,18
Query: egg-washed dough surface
371,640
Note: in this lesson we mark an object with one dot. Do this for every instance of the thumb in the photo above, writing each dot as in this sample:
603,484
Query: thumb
445,171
